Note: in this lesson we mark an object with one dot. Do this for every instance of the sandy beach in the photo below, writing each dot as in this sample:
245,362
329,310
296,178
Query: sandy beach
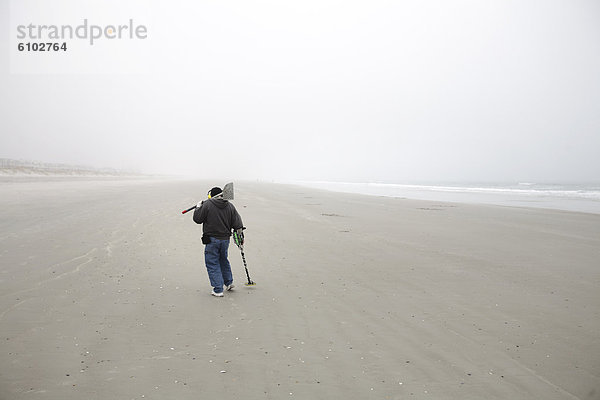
104,295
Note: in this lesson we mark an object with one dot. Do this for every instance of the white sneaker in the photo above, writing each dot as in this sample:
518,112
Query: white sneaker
216,294
229,287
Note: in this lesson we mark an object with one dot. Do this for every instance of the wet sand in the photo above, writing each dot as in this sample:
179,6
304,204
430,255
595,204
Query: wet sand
104,295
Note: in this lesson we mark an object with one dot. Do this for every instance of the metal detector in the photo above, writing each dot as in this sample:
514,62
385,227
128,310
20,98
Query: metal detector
238,238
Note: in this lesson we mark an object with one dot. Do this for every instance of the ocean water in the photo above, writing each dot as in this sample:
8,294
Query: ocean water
568,197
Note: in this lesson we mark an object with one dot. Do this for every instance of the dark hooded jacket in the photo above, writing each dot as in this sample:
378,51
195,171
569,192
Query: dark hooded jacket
219,217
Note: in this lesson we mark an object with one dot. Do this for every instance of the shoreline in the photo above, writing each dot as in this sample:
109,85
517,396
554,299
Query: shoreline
492,194
591,207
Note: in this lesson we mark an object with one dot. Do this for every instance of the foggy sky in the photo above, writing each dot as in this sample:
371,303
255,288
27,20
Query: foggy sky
327,90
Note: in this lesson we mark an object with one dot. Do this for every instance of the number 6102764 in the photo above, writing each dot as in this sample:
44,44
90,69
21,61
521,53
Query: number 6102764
43,46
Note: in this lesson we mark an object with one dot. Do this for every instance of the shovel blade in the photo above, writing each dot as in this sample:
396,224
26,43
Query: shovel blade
228,191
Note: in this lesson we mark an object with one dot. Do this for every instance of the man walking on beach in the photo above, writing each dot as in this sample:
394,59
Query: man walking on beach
219,217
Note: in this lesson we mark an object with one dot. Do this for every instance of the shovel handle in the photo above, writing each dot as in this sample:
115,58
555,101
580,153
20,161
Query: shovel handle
189,209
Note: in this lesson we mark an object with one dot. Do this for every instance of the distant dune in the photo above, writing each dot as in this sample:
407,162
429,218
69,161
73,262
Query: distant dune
34,168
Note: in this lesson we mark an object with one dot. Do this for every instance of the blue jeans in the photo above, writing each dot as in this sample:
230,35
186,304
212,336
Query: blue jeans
217,264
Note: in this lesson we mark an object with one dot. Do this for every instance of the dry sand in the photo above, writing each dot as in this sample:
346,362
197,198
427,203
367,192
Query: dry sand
104,295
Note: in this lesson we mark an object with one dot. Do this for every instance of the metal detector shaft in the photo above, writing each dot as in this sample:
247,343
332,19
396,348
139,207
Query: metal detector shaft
241,247
246,268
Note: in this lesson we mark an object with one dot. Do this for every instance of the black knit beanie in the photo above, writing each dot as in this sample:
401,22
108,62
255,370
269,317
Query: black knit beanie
215,191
